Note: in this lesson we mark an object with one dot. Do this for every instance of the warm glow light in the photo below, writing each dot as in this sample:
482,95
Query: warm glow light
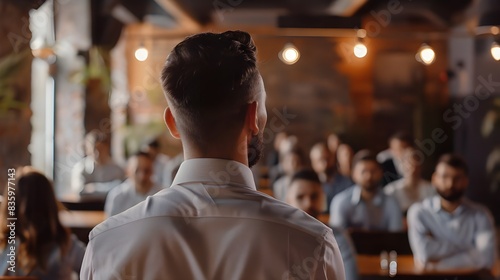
141,54
360,50
425,55
495,51
289,54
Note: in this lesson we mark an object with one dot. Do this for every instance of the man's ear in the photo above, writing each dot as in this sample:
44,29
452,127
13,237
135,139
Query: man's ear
252,120
170,122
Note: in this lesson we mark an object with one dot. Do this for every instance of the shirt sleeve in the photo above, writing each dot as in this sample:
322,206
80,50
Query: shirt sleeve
330,263
348,253
109,204
76,253
395,214
338,213
424,246
485,241
482,255
86,269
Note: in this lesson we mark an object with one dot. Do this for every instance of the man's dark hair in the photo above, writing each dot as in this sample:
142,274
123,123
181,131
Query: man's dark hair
364,155
142,154
305,174
208,79
96,136
403,136
154,144
454,161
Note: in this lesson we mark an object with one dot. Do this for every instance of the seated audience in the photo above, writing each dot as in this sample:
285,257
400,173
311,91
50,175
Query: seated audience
323,163
291,161
306,194
160,162
135,189
390,159
96,174
365,206
344,160
411,188
43,247
449,231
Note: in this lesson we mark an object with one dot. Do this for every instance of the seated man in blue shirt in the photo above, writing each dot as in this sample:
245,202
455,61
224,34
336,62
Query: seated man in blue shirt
448,231
364,206
305,193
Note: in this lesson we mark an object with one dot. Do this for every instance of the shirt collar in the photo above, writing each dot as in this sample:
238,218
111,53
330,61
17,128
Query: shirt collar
436,205
215,171
356,196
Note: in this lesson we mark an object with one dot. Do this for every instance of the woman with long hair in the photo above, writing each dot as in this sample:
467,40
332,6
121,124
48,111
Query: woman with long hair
31,233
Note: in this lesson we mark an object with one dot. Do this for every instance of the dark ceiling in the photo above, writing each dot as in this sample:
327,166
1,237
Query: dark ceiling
437,15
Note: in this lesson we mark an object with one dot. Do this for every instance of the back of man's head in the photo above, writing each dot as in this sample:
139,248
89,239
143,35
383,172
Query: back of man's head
208,80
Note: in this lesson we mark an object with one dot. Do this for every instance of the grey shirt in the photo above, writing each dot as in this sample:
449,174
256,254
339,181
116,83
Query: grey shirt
462,239
349,210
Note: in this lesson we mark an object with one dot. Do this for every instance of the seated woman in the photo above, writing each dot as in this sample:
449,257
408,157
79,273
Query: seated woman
35,243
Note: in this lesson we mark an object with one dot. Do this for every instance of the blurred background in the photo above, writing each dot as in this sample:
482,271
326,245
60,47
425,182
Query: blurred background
362,69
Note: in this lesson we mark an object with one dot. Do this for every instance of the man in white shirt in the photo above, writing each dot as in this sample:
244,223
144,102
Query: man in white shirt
160,162
212,223
135,189
448,231
96,174
411,188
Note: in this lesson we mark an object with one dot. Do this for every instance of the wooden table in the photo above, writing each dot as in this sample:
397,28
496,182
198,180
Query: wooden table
81,222
369,268
76,202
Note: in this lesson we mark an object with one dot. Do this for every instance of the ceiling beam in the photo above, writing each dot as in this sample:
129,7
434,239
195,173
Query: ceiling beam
184,20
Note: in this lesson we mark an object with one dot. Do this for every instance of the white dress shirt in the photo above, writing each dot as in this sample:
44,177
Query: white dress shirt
124,196
406,195
212,224
462,239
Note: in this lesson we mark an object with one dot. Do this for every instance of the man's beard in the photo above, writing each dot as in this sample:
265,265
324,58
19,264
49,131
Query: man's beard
255,149
451,196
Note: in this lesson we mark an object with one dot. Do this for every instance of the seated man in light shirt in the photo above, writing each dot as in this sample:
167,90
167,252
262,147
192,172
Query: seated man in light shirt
411,188
135,189
448,231
364,206
305,193
160,162
212,223
96,174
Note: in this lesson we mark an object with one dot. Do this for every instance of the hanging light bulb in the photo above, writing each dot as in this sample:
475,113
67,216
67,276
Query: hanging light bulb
495,51
425,54
141,53
289,54
360,50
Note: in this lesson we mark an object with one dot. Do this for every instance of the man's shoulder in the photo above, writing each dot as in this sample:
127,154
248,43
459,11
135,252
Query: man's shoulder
121,189
424,207
477,208
177,202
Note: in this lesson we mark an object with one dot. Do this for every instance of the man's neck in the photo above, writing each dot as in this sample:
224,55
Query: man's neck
239,155
368,195
143,189
102,160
